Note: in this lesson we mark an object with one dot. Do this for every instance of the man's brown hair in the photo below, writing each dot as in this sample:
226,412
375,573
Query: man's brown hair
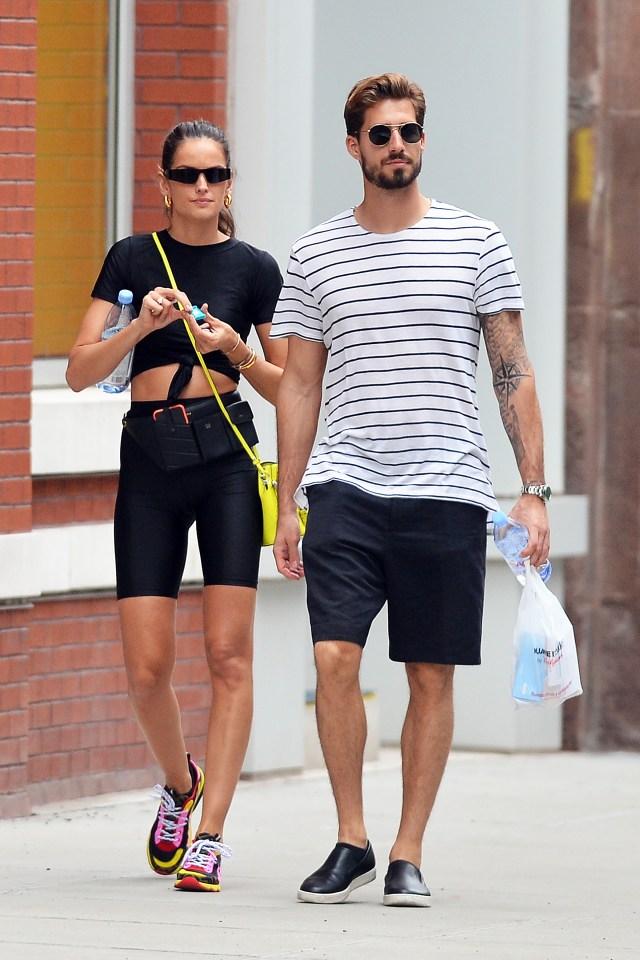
386,86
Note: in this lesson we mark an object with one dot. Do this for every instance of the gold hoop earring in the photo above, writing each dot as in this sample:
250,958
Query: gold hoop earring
228,200
168,202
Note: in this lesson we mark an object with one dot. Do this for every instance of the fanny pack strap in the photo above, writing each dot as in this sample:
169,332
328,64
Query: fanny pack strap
255,459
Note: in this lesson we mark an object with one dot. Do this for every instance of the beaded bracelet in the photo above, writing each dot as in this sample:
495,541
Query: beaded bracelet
247,362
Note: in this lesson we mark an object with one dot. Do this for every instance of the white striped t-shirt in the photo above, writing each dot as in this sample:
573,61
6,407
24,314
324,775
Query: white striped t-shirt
398,314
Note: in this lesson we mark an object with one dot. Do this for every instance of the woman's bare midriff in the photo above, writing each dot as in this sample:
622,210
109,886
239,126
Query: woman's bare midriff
154,384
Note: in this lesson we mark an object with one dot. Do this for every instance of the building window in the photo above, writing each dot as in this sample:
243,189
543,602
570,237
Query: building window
80,111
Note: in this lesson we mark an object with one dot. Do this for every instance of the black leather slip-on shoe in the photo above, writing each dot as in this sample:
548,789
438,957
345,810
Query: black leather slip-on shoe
346,868
404,886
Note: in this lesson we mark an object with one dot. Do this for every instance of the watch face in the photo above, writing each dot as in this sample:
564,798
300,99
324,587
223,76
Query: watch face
541,490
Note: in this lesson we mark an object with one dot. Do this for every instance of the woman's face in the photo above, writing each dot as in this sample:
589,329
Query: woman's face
199,201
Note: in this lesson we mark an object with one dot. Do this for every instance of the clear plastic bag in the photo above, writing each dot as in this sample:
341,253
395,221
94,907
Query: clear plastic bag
545,661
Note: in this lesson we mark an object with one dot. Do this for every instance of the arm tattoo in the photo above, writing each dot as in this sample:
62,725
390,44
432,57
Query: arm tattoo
510,366
506,378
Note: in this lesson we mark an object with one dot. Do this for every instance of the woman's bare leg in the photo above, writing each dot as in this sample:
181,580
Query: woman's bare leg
228,626
149,642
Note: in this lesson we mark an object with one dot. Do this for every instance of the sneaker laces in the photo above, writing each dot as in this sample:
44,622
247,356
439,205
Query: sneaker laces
200,852
171,816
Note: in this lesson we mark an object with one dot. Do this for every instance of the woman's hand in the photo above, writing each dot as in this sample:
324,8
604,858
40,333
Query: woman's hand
159,308
213,334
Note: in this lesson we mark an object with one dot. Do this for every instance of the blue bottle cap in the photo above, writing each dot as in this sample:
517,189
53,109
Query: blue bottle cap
125,296
499,518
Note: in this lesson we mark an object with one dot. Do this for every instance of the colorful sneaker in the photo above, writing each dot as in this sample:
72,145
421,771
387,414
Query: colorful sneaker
200,870
171,834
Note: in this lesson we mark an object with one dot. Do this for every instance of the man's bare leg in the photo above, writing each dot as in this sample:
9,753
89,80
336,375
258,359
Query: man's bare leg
425,743
342,728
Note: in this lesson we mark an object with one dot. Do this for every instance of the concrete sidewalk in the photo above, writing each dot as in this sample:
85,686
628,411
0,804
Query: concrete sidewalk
529,857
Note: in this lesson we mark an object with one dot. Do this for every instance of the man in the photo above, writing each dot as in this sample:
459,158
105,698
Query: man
391,298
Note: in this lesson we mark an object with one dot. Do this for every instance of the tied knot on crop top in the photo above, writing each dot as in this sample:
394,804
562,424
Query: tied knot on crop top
239,282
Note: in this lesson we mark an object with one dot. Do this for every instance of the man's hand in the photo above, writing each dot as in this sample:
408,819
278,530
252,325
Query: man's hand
286,548
531,511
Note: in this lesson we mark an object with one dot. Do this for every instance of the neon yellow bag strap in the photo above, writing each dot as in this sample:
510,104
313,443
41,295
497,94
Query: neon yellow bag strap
257,462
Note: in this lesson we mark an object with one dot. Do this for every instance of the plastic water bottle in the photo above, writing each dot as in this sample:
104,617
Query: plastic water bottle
119,317
511,538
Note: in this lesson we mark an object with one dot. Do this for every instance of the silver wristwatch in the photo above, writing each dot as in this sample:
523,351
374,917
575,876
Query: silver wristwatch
541,490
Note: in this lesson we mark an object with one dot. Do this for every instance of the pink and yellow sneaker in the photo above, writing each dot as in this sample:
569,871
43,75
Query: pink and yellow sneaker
200,870
170,834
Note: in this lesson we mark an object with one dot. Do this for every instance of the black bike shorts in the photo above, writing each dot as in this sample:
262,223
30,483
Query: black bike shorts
155,509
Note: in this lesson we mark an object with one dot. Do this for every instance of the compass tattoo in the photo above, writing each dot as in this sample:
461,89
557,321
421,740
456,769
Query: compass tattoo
509,366
507,377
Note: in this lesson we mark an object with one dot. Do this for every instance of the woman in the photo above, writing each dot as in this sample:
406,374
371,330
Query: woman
237,287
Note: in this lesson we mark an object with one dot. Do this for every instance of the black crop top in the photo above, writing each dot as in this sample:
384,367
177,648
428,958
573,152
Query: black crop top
240,283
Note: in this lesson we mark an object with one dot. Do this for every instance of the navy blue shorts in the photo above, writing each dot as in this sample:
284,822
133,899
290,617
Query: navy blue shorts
155,509
425,558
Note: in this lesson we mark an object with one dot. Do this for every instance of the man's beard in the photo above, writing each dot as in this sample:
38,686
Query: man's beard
396,179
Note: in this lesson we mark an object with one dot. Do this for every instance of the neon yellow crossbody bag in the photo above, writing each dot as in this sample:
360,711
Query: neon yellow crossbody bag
267,470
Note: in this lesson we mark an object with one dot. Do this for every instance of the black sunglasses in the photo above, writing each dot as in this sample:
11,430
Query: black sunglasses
191,174
380,133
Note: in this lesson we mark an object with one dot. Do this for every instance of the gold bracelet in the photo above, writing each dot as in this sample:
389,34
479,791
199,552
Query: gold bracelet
233,348
249,362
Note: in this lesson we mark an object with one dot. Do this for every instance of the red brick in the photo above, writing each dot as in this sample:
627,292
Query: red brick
153,117
18,141
40,715
202,12
15,409
15,464
159,11
15,326
15,696
20,9
17,220
17,86
12,641
13,724
17,33
15,490
192,91
17,194
203,64
17,248
13,751
157,65
12,669
13,779
18,113
14,436
14,519
16,167
183,38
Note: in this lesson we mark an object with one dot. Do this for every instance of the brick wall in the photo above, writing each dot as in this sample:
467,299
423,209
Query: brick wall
66,728
83,738
181,71
17,195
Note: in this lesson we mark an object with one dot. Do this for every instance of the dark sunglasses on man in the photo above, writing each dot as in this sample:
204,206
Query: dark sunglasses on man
191,174
380,133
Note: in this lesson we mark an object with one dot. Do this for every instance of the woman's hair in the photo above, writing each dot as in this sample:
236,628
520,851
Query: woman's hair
386,86
200,130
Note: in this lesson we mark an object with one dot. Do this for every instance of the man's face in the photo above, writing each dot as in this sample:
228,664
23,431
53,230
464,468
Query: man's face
396,164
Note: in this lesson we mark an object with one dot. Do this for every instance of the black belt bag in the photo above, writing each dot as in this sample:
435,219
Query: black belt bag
186,434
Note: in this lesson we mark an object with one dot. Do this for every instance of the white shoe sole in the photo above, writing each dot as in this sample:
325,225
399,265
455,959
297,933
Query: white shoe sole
406,900
341,895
